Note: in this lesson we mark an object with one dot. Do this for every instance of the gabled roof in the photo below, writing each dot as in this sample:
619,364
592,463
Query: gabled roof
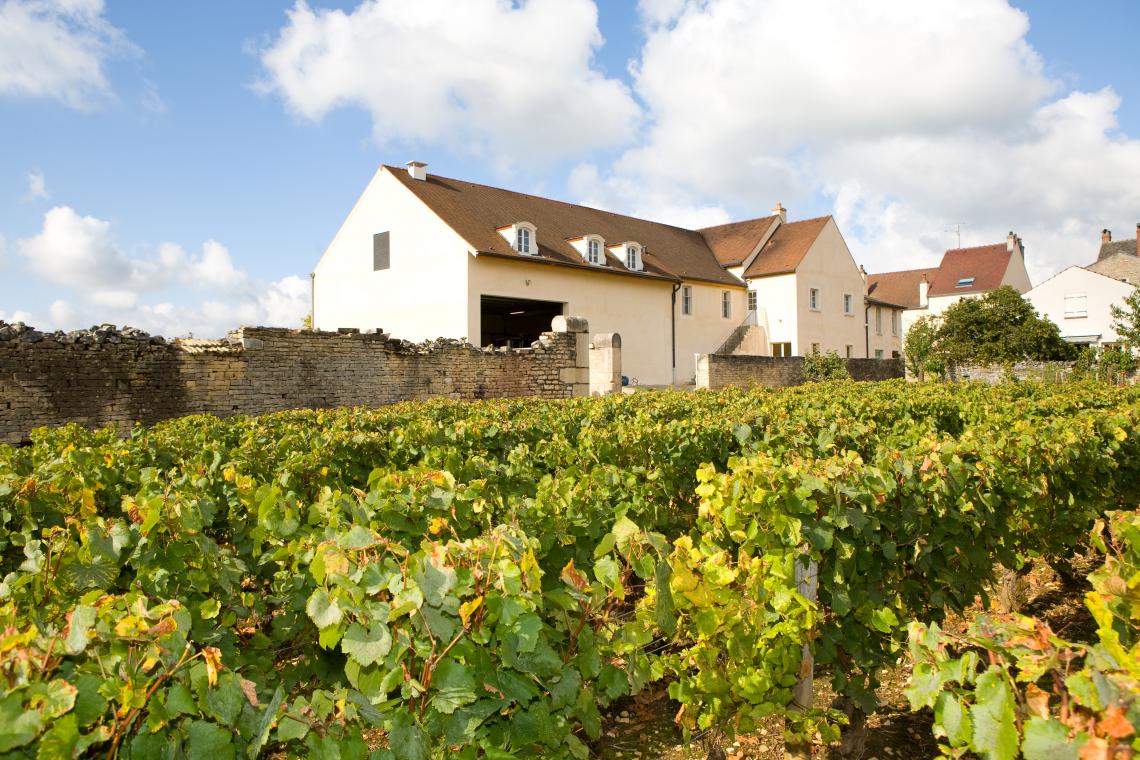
476,211
1120,266
734,242
986,264
898,288
786,248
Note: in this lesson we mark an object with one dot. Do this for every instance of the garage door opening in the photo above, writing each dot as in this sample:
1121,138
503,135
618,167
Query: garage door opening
514,322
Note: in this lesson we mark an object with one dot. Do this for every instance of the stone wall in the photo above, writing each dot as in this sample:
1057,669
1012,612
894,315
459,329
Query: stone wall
1049,372
723,370
104,376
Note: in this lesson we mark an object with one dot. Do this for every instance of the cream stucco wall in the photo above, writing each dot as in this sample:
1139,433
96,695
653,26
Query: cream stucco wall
636,308
889,339
1016,273
422,295
1100,294
828,266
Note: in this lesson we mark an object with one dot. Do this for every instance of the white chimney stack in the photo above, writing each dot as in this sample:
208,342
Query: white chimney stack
1011,242
418,170
923,293
781,212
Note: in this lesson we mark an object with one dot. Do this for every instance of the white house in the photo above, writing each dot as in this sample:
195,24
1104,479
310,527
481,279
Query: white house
422,256
962,273
1078,301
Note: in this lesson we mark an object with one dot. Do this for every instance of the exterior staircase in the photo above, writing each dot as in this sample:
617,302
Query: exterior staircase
747,339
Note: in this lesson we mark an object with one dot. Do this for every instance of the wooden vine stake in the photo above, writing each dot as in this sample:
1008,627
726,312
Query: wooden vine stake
807,584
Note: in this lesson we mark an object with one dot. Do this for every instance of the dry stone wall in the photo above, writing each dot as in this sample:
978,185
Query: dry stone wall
717,371
106,376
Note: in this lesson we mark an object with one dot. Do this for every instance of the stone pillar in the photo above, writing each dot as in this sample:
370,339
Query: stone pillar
703,371
577,376
605,364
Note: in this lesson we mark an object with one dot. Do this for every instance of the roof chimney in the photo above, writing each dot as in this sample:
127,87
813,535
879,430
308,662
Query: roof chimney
923,292
1105,236
863,269
780,211
418,170
1012,242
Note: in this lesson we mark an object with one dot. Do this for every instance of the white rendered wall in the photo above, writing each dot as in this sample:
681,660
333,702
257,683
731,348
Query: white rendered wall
422,295
1100,294
828,266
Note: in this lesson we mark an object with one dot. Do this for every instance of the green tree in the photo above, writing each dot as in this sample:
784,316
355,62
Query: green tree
1000,327
1126,320
919,348
819,367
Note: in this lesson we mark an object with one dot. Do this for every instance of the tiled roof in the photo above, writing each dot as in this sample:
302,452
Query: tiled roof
786,248
1122,266
202,346
476,211
986,264
1108,250
732,243
899,288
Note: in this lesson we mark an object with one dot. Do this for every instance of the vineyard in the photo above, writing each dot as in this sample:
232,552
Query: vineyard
484,580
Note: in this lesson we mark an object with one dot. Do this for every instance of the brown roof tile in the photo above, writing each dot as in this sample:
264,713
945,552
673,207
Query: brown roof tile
1117,247
899,288
786,248
732,243
475,211
985,263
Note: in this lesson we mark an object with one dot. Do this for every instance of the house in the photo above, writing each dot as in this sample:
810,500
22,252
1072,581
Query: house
805,292
424,256
1080,299
962,273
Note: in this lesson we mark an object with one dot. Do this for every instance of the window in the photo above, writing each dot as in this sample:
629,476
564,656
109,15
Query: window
1076,306
850,351
725,304
381,258
878,353
894,322
878,320
848,304
815,348
593,251
895,354
752,300
522,240
686,299
632,258
781,349
965,282
813,299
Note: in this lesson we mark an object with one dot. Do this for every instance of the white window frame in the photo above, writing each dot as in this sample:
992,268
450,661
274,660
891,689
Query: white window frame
849,304
894,322
753,300
849,351
633,257
1076,305
878,320
687,300
595,251
965,282
521,231
813,299
726,304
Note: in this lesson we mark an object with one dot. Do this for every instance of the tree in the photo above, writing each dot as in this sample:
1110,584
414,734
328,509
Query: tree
819,367
919,349
1126,321
998,328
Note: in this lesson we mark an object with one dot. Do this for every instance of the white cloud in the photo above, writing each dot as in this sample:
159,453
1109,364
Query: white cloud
515,80
908,117
80,253
57,49
37,187
17,316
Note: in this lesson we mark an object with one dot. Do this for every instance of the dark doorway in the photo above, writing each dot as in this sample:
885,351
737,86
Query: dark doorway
514,322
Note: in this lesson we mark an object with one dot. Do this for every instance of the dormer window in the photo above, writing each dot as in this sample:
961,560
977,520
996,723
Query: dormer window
630,254
521,236
631,257
965,282
593,251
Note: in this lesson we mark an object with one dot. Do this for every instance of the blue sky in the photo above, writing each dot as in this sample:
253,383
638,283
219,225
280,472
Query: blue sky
185,171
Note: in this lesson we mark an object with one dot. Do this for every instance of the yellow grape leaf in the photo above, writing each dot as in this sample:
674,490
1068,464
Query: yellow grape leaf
467,609
213,658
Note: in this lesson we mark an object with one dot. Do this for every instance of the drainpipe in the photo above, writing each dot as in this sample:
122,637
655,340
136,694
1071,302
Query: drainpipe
867,329
312,300
673,326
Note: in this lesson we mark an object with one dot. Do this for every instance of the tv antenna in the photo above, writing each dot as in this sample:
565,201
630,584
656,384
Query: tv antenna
956,228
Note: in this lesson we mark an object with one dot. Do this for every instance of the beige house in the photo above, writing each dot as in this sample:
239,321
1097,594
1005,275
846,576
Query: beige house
422,256
962,273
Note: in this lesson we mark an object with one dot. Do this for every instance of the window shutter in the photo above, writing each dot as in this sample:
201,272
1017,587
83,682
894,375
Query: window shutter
381,258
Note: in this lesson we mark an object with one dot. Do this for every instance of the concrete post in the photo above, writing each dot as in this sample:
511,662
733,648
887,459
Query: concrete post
579,375
605,364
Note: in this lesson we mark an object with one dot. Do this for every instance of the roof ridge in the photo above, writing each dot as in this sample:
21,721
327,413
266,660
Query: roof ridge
809,219
733,224
900,271
976,248
548,200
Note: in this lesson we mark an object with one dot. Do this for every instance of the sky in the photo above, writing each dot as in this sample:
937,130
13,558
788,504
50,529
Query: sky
180,167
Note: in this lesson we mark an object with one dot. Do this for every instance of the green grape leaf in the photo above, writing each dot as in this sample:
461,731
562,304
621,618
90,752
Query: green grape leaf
208,741
1048,739
322,610
366,645
995,735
